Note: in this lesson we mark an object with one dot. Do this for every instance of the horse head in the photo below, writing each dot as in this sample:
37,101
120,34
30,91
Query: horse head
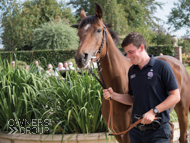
90,32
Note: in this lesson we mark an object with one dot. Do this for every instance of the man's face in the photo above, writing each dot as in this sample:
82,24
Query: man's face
36,63
60,66
65,65
49,67
13,63
133,53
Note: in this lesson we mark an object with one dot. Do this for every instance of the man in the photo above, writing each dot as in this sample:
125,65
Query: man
59,68
27,67
65,65
70,65
13,64
50,71
38,68
152,91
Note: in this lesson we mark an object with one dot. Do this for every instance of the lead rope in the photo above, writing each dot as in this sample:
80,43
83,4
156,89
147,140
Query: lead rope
110,119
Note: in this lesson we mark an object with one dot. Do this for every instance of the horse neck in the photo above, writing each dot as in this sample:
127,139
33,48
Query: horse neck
114,65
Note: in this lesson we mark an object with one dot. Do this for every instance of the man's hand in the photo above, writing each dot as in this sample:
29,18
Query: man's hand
148,117
107,93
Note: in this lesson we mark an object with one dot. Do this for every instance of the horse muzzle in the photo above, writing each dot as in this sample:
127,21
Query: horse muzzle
82,61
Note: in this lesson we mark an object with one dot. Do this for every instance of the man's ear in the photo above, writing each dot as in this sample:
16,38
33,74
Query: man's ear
142,47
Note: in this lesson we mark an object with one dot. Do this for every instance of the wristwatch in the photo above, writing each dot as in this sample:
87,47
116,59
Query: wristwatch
155,110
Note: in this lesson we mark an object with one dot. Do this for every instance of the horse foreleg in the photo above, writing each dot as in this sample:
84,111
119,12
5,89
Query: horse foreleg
119,138
182,113
172,132
126,138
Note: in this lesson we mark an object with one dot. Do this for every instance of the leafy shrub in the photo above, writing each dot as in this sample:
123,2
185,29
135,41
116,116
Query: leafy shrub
145,31
185,46
21,64
161,38
184,58
55,35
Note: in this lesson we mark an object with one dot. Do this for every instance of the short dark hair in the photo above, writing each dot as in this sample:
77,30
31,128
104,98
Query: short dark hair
136,39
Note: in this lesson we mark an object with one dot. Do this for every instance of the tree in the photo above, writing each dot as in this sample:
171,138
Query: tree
114,13
55,35
180,14
4,4
12,32
140,12
19,21
136,12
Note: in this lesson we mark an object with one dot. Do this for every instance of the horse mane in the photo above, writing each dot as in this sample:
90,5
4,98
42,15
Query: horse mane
94,20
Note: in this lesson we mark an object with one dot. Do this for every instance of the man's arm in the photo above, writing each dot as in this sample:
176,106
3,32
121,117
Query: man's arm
122,98
170,101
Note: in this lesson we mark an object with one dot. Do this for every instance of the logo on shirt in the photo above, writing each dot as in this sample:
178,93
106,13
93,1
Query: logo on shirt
150,74
132,76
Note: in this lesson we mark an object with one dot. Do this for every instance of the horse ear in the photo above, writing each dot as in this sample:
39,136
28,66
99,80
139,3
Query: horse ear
99,11
82,14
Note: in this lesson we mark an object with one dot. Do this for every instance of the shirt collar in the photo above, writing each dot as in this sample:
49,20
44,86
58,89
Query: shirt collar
150,63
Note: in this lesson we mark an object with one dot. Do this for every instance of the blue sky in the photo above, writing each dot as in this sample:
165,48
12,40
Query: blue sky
162,14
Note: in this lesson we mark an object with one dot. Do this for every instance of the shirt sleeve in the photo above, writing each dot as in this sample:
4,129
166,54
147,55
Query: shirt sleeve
168,77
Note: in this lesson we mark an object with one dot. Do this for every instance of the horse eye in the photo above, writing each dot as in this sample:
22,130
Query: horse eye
99,30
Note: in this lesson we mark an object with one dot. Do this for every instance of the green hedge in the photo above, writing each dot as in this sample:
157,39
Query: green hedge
164,49
44,56
156,50
56,56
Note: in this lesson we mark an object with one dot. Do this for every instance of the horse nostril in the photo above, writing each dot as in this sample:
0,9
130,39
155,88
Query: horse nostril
85,57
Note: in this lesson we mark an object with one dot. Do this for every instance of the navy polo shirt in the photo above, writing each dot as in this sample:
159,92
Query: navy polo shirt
150,86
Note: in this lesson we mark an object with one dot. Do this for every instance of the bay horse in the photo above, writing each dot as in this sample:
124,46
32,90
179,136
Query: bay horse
115,66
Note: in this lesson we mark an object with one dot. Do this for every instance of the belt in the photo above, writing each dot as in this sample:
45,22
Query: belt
152,126
144,127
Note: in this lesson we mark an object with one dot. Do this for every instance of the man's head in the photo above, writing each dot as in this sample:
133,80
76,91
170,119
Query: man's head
36,63
65,65
134,38
13,64
60,65
70,64
135,47
27,67
49,66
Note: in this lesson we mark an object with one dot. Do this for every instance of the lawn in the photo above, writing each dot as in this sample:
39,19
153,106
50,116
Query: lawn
188,69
